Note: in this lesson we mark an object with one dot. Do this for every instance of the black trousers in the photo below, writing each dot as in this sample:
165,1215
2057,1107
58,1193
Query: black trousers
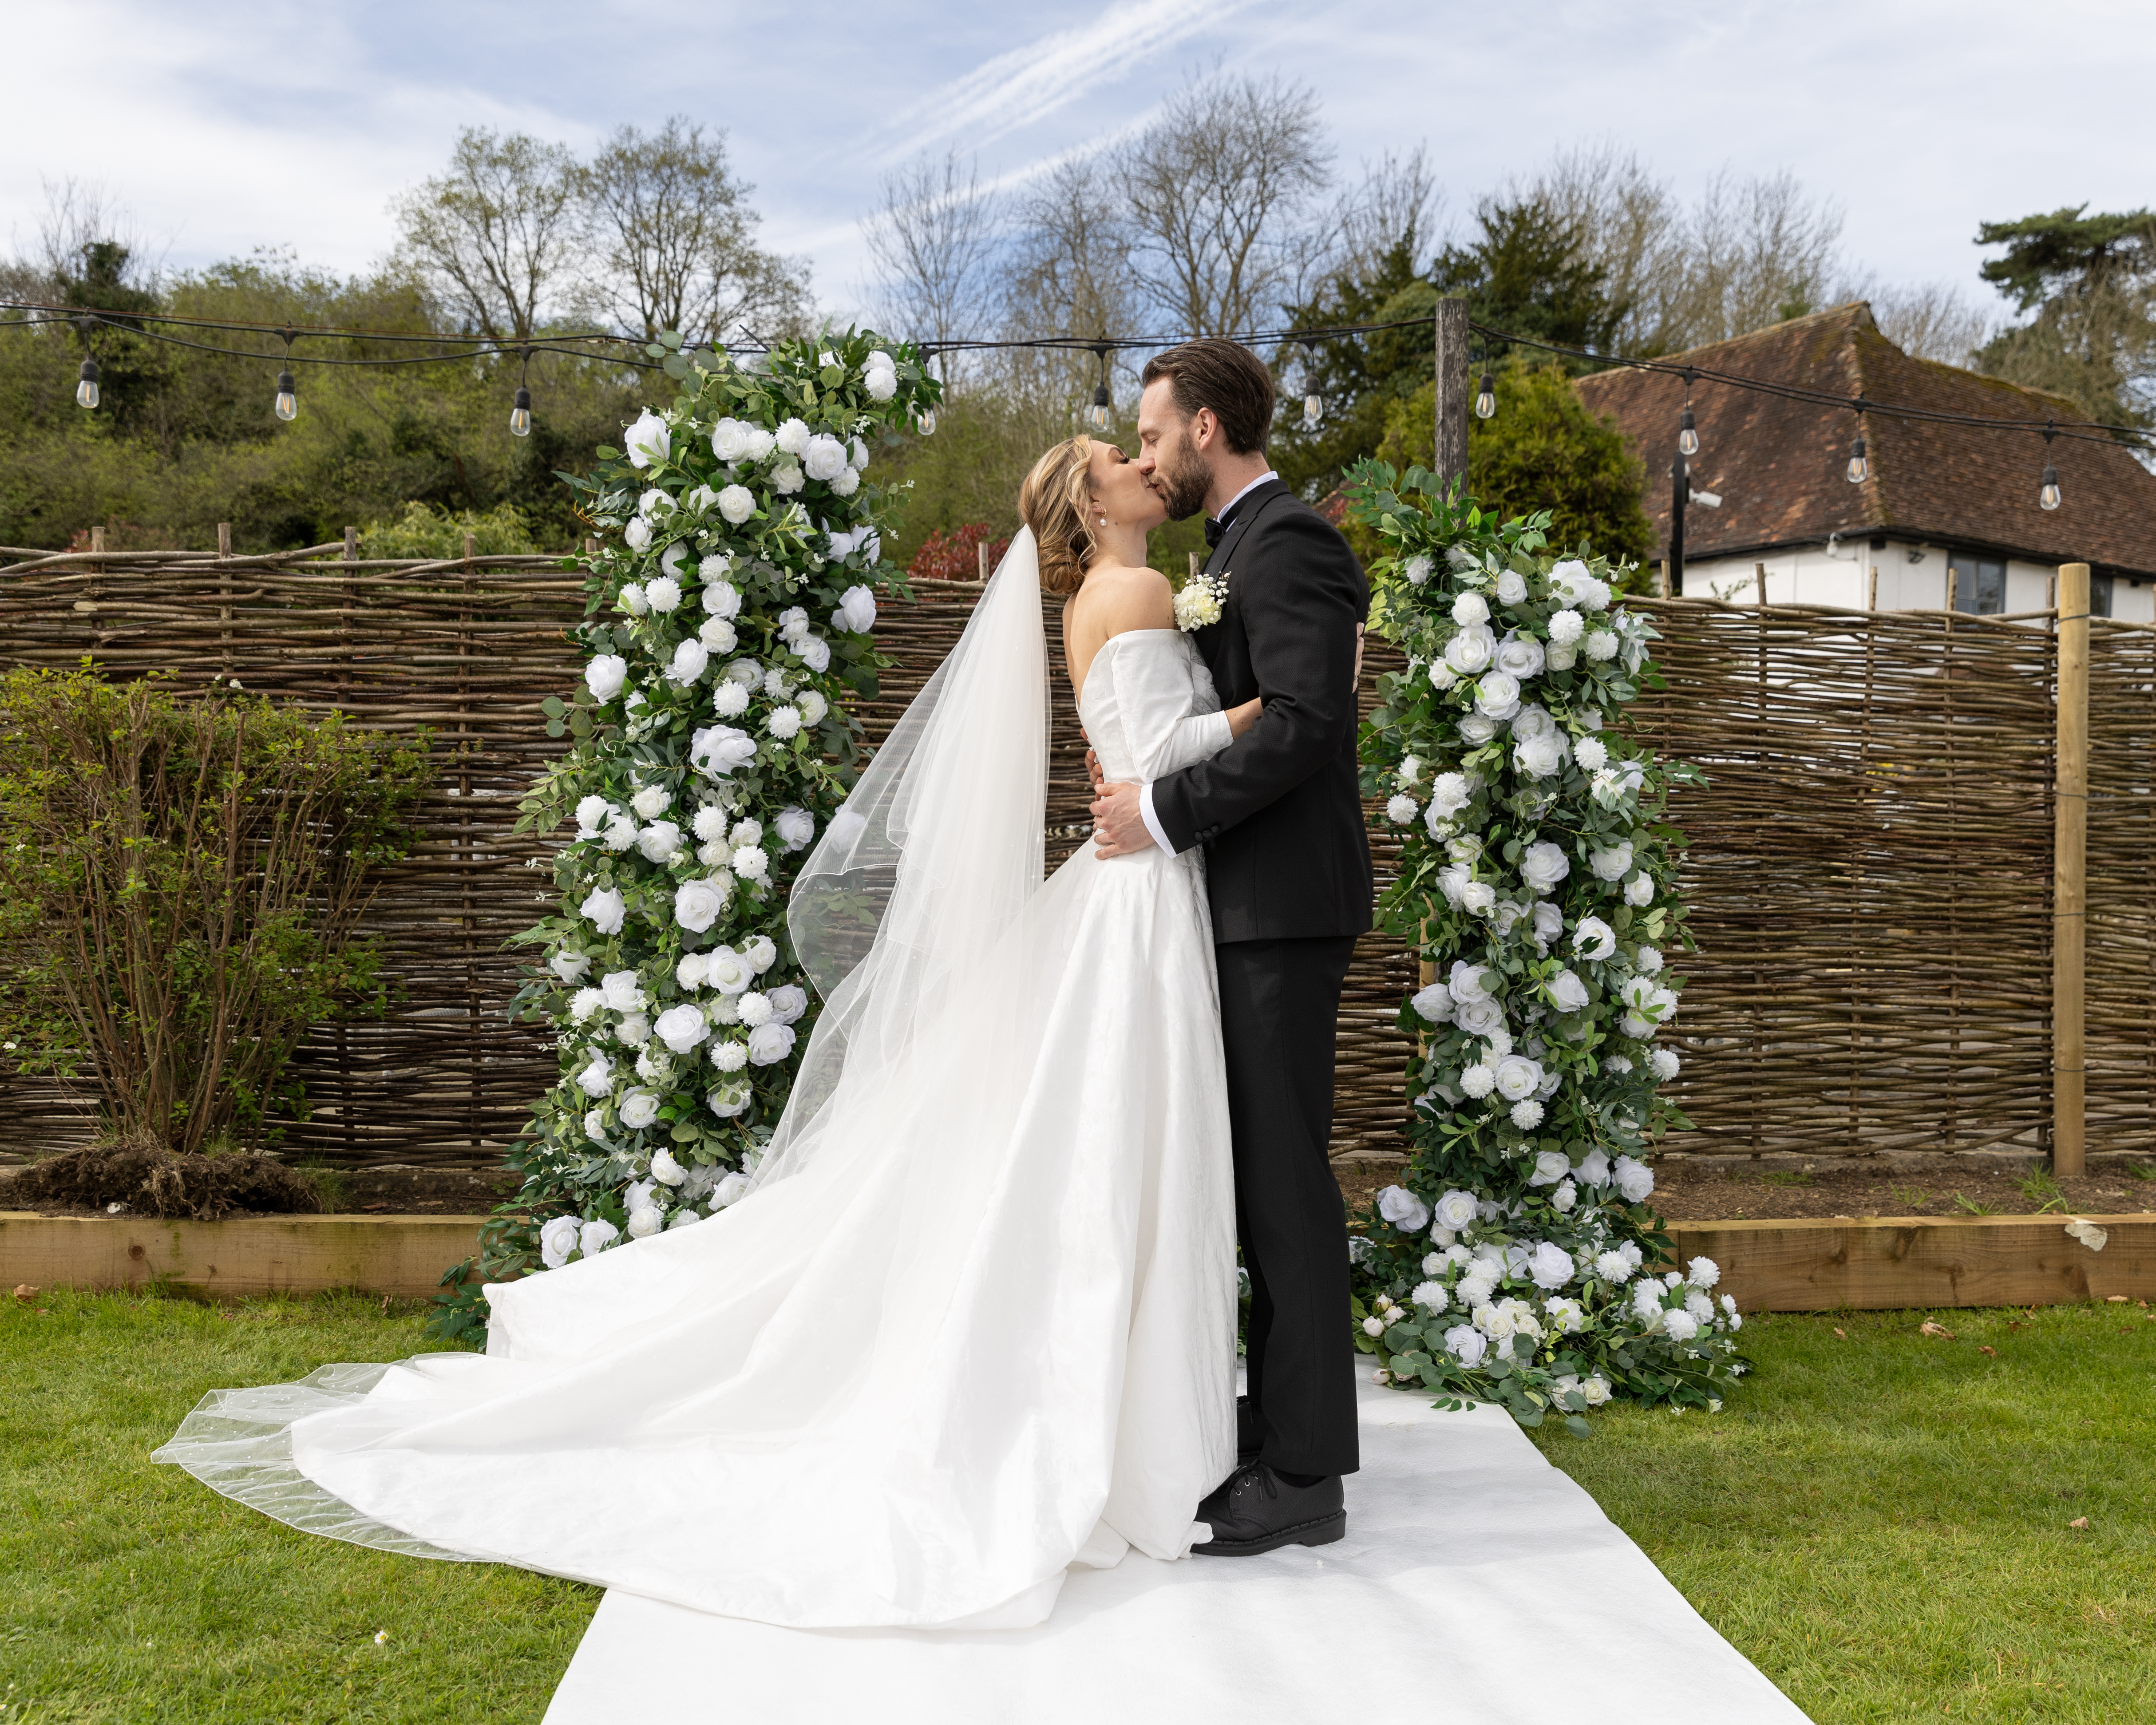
1280,1002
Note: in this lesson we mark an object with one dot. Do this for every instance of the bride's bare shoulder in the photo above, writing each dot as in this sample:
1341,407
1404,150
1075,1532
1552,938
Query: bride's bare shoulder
1117,598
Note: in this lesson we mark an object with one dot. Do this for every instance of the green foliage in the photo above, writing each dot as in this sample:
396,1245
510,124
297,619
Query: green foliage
1542,449
425,530
2066,252
1526,272
180,881
2090,284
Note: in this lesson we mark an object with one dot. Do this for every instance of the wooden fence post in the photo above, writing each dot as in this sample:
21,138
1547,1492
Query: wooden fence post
2070,878
1452,398
981,557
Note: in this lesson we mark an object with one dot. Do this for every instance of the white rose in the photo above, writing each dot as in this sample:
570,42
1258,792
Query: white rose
639,1108
1518,1077
1442,676
1595,1167
1512,587
665,1170
1551,1166
1539,757
1431,1295
784,723
730,1191
1568,992
1564,1198
814,652
1466,1344
1543,865
1566,627
717,635
638,533
825,457
813,707
1402,810
1593,939
727,971
594,1237
1639,891
1636,1180
645,1220
1497,694
1468,982
691,657
1532,722
596,1079
1613,863
730,440
796,828
1562,656
771,1043
605,910
787,478
1471,608
1480,1018
721,598
736,503
1434,1003
1599,646
634,1031
681,1028
1478,898
689,972
857,610
605,675
659,841
1470,650
621,991
1549,923
650,803
718,751
747,831
793,436
567,966
1455,1211
787,1004
1403,1209
556,1241
1522,656
1550,1266
647,440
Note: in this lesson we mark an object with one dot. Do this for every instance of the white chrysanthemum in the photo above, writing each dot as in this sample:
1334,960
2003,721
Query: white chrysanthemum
784,723
1527,1115
729,699
1600,646
880,382
1418,570
1431,1295
1477,1080
793,436
662,594
583,1004
1592,753
1449,792
729,1056
846,481
750,862
755,1008
1702,1272
1401,810
1613,1267
1680,1325
1664,1063
1566,627
710,822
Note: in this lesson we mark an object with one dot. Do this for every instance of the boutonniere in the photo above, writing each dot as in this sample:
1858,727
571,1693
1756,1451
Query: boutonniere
1200,602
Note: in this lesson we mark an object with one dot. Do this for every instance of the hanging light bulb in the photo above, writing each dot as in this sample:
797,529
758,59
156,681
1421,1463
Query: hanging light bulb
1101,415
288,397
1688,438
1860,467
2048,493
1313,411
1486,397
85,393
927,423
520,416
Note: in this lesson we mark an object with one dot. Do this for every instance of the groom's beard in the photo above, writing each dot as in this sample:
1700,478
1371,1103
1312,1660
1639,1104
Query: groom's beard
1182,480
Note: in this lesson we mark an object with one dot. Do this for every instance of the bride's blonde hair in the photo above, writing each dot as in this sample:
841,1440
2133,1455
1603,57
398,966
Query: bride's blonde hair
1053,502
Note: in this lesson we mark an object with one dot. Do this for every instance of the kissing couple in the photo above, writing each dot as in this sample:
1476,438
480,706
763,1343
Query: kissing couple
975,1321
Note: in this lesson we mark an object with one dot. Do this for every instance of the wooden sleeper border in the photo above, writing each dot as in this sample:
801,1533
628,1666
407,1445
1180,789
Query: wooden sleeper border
1884,1263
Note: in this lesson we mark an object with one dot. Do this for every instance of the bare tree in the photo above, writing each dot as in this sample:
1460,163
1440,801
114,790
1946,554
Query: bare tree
935,236
492,238
1222,191
1632,229
671,240
1931,320
1761,252
1067,272
1397,200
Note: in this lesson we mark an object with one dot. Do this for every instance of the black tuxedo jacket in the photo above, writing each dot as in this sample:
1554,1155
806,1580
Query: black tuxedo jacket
1279,810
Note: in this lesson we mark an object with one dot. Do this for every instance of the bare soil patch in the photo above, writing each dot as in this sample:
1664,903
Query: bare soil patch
371,1192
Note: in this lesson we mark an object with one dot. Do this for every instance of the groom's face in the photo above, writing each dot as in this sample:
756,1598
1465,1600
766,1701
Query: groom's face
1169,457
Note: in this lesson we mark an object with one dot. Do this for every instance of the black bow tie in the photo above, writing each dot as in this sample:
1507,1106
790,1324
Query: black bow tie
1214,530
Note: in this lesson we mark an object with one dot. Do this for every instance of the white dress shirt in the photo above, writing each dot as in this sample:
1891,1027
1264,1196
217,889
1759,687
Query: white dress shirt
1145,792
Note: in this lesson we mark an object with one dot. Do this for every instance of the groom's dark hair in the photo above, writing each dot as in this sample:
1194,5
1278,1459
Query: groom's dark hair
1226,376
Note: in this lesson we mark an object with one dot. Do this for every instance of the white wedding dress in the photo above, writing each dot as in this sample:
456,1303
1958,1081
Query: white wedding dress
975,1322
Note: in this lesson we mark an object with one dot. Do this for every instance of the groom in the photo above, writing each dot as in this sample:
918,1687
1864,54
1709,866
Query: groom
1287,867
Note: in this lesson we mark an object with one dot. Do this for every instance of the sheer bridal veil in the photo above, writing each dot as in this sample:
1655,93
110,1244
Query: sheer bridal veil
898,911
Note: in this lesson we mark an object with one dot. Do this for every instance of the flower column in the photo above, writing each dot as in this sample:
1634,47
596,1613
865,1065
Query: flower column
729,615
1511,1262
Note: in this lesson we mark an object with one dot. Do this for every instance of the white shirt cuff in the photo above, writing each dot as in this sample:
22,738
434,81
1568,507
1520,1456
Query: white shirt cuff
1152,820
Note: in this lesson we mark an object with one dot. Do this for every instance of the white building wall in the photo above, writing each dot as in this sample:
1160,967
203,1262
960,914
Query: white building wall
1810,575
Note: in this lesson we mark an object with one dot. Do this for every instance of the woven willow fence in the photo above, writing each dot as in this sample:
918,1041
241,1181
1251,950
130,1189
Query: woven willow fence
1871,863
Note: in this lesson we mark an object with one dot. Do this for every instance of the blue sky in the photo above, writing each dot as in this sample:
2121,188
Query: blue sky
225,126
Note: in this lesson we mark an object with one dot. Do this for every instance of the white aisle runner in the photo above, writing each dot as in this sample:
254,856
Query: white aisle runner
1476,1583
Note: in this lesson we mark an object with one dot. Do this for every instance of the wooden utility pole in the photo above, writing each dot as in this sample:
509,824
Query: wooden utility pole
1453,395
2070,879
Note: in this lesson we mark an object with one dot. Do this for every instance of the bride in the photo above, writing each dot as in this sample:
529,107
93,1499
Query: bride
976,1321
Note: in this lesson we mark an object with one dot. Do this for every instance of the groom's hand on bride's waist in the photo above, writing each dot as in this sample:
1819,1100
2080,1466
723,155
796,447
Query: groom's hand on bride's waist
1119,826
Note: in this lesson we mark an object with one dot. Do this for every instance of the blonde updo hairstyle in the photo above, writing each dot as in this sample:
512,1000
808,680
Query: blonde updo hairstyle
1054,502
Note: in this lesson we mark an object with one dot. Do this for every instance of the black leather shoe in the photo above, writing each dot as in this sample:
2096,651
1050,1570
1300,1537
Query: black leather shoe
1255,1511
1248,1442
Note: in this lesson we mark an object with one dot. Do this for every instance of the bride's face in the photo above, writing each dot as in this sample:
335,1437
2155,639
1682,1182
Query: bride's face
1120,492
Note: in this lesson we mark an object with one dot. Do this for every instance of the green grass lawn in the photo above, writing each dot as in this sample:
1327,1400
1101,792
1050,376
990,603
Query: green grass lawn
1882,1520
134,1593
1880,1523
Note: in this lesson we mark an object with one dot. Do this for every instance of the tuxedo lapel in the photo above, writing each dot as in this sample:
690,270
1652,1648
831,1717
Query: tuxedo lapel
1214,641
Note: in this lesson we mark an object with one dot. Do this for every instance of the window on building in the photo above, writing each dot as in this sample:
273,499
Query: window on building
2099,594
1980,584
